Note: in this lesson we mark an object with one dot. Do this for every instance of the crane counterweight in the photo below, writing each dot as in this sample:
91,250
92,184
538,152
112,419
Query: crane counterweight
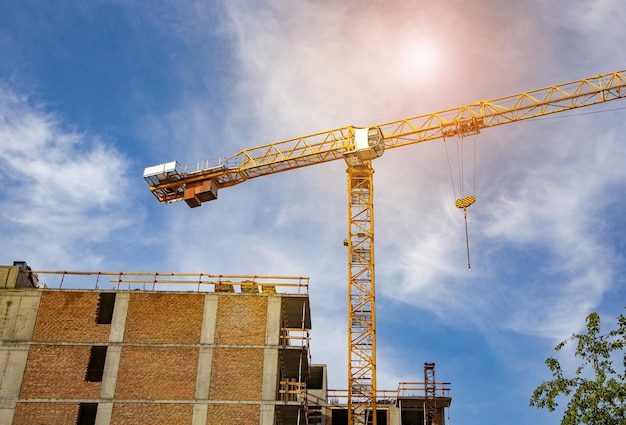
198,192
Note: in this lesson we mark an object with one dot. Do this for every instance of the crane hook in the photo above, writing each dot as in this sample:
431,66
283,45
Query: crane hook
464,203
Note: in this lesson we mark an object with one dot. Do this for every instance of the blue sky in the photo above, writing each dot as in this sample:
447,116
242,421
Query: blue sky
93,92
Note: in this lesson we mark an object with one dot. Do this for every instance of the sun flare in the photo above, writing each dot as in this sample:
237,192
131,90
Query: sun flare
422,58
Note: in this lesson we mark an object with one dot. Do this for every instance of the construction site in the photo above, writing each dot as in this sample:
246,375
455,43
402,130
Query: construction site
171,348
234,349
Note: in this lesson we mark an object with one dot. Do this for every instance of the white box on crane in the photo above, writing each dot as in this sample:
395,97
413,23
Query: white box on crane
159,173
368,142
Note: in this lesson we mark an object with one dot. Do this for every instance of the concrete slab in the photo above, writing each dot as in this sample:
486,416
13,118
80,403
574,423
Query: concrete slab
18,313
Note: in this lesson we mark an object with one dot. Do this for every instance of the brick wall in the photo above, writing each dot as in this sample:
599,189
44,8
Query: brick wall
147,371
58,372
45,414
69,317
169,318
241,320
157,373
220,414
236,374
149,414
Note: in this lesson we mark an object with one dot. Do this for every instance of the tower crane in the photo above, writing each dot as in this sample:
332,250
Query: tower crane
198,183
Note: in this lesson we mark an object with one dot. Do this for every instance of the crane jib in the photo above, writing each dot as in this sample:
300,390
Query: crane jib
169,185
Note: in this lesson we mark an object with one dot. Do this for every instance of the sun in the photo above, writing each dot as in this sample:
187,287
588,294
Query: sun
421,57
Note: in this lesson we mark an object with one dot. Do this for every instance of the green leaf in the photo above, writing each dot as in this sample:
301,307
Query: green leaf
597,393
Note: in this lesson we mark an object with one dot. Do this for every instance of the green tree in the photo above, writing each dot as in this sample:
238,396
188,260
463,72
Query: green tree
597,392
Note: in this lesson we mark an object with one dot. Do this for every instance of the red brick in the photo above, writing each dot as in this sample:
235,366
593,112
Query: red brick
220,414
168,318
69,317
157,373
45,414
241,320
58,372
236,374
149,414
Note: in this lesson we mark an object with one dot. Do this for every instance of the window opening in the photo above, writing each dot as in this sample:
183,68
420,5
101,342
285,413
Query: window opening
87,414
315,380
95,367
104,313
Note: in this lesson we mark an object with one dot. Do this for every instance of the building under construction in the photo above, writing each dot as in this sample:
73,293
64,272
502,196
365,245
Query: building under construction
146,348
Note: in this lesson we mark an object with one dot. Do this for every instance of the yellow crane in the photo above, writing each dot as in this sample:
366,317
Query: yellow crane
200,182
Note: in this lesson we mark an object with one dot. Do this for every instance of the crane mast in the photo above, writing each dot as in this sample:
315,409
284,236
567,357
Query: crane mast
361,306
200,182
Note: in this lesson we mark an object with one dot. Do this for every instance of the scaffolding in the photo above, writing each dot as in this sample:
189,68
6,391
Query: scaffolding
295,361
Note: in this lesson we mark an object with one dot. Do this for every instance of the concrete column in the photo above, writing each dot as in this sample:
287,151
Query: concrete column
203,377
270,360
103,416
205,358
267,414
270,374
118,322
209,319
114,349
114,354
18,313
111,367
6,415
394,415
270,357
272,325
200,412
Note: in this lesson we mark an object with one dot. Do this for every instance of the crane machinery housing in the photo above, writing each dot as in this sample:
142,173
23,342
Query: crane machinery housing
200,182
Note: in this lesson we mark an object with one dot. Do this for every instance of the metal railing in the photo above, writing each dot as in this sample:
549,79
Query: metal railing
165,281
411,389
339,397
210,165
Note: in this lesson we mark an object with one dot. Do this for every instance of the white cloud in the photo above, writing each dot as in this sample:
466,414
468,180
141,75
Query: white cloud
558,205
63,190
